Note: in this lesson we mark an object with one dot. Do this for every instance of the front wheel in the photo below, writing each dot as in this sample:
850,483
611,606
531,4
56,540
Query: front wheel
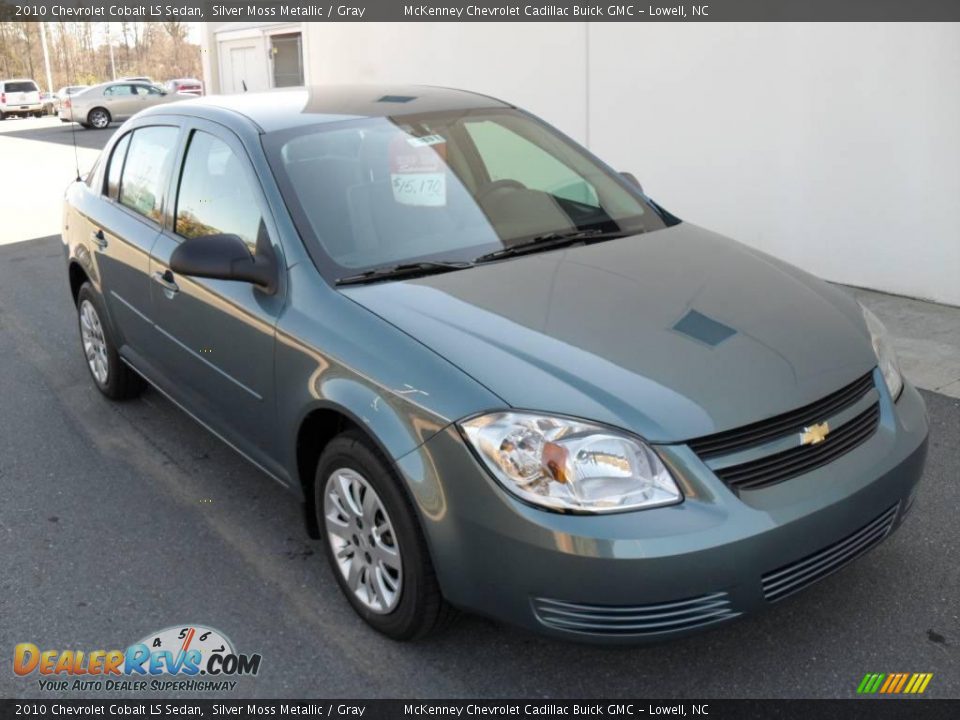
98,118
111,376
374,543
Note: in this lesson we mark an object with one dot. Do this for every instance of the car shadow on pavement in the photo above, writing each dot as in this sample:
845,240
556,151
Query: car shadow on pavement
62,133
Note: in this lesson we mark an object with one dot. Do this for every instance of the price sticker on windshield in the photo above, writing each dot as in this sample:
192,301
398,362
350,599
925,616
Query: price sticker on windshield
418,170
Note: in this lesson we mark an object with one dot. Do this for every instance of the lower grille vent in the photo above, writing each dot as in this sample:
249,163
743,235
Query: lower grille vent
635,619
792,578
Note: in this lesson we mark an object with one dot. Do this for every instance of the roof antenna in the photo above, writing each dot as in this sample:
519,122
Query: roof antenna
244,83
73,136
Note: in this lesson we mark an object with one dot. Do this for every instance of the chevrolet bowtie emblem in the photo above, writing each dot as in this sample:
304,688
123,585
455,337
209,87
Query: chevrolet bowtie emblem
814,434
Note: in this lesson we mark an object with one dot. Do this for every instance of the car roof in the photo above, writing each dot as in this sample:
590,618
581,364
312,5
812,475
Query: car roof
280,109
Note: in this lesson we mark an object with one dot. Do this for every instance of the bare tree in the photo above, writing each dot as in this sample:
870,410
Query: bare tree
79,52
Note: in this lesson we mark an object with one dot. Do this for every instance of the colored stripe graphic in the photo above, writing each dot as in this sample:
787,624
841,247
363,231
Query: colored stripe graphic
894,683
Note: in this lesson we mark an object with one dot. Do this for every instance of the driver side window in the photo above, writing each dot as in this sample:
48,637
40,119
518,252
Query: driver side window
215,195
508,156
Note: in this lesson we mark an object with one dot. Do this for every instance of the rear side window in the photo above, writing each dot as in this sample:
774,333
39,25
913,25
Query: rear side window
146,170
116,166
215,195
22,86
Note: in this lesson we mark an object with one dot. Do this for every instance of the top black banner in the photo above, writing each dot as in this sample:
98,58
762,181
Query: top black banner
482,11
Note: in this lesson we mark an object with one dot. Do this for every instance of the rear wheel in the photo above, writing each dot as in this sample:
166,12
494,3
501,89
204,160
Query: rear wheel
111,376
374,543
98,118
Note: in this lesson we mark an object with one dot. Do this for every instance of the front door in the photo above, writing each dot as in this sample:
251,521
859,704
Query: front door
121,101
216,337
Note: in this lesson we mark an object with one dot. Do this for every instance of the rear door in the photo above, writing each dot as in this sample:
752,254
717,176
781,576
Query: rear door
121,227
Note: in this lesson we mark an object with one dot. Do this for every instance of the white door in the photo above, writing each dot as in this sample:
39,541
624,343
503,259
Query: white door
241,63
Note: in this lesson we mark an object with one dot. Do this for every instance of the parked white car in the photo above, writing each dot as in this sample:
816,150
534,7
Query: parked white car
20,97
109,102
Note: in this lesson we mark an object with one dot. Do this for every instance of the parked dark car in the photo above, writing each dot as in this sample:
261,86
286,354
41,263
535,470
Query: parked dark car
498,374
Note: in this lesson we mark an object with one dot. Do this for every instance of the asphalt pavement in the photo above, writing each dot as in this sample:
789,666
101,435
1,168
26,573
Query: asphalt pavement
117,520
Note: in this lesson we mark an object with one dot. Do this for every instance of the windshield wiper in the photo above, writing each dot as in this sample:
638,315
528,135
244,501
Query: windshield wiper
431,267
552,240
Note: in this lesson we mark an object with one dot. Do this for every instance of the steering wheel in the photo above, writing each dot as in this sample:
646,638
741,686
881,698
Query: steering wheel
497,185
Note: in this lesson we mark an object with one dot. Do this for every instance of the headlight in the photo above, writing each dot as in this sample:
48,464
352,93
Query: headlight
886,357
570,465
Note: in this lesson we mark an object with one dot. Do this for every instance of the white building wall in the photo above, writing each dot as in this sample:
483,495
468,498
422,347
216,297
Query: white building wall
833,146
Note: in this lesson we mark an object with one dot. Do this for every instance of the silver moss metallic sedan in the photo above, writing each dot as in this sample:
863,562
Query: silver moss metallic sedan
501,377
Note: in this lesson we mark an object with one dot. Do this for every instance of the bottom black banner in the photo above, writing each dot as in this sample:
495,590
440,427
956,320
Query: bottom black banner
868,709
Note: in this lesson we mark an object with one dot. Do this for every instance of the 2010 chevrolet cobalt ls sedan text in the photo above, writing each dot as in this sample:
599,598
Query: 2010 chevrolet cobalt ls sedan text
500,376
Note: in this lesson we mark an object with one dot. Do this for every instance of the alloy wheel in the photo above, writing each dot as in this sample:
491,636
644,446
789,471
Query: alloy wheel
363,540
94,344
99,119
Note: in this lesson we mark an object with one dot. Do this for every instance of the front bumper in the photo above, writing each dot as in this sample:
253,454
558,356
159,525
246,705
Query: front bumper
653,574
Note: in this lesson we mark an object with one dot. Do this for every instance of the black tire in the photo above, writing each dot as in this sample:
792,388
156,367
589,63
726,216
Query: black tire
421,609
121,382
3,116
84,126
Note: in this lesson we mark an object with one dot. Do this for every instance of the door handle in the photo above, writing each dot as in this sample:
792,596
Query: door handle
166,281
97,238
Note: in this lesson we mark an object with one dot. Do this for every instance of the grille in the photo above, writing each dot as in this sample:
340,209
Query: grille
803,458
637,619
731,441
792,578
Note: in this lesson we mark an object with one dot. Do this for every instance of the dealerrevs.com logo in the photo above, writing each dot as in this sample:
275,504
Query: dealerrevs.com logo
178,658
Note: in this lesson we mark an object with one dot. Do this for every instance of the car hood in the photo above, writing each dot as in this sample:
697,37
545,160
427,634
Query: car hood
674,334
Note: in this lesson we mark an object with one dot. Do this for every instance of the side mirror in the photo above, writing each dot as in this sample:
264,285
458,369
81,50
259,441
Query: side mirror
225,257
633,180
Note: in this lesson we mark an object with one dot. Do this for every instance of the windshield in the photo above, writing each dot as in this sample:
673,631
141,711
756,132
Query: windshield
448,186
